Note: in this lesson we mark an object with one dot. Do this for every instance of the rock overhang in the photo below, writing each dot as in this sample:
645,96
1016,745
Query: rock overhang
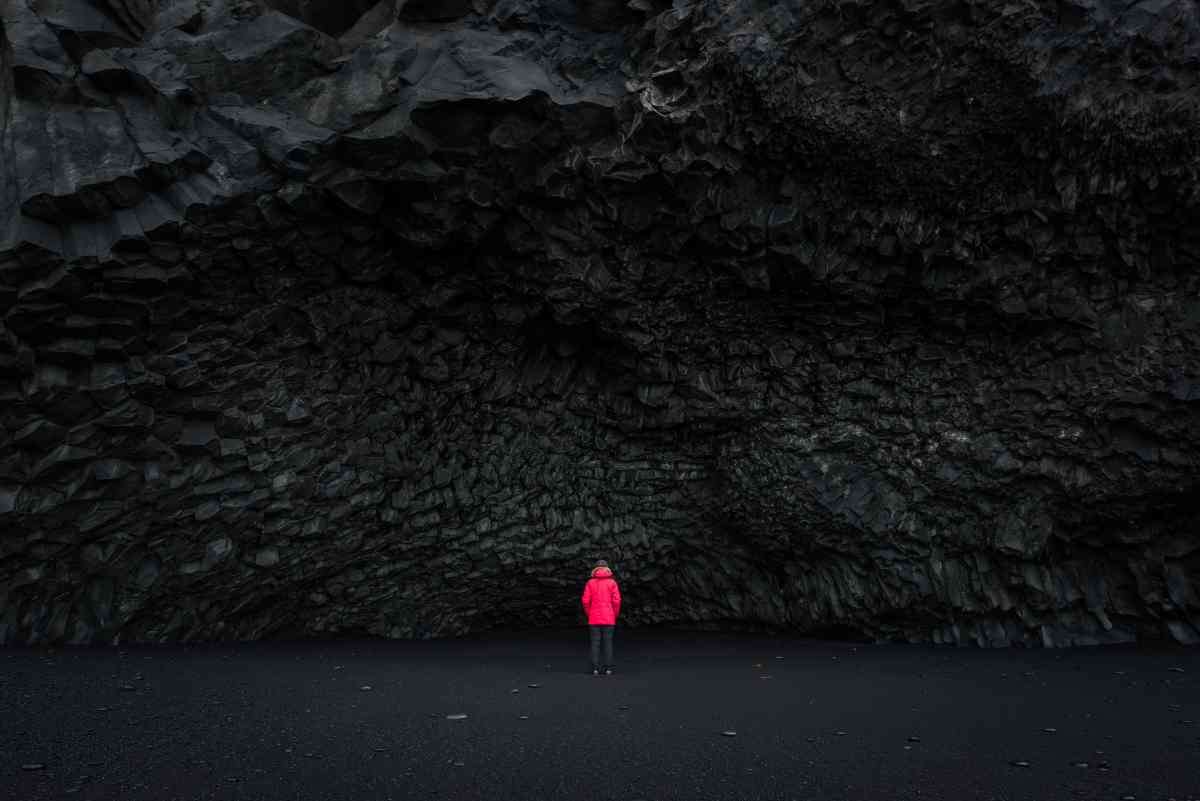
881,318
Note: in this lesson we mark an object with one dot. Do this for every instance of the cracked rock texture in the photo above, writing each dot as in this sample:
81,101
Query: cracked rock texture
389,317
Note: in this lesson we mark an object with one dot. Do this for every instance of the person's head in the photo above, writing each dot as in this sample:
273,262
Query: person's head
601,569
600,563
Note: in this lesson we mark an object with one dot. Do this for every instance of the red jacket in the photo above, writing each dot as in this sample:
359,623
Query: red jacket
602,598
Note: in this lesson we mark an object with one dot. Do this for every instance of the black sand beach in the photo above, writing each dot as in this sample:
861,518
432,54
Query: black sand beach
365,719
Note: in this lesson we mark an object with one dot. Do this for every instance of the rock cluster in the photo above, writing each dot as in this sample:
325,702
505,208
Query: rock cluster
388,317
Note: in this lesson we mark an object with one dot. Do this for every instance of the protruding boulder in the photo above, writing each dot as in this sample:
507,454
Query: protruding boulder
287,142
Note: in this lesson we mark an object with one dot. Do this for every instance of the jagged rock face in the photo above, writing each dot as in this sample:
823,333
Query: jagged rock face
881,316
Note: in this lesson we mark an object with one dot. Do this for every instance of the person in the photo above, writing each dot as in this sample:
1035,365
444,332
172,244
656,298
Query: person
602,605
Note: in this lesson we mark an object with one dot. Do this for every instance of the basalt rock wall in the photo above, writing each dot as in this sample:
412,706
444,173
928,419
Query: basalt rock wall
389,318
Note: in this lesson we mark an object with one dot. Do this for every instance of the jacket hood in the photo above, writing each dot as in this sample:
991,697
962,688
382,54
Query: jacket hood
601,572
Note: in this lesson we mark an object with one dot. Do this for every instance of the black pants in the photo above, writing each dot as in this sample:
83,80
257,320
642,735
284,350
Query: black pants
602,634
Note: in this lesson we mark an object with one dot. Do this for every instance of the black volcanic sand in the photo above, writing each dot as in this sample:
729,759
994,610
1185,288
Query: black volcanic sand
292,720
